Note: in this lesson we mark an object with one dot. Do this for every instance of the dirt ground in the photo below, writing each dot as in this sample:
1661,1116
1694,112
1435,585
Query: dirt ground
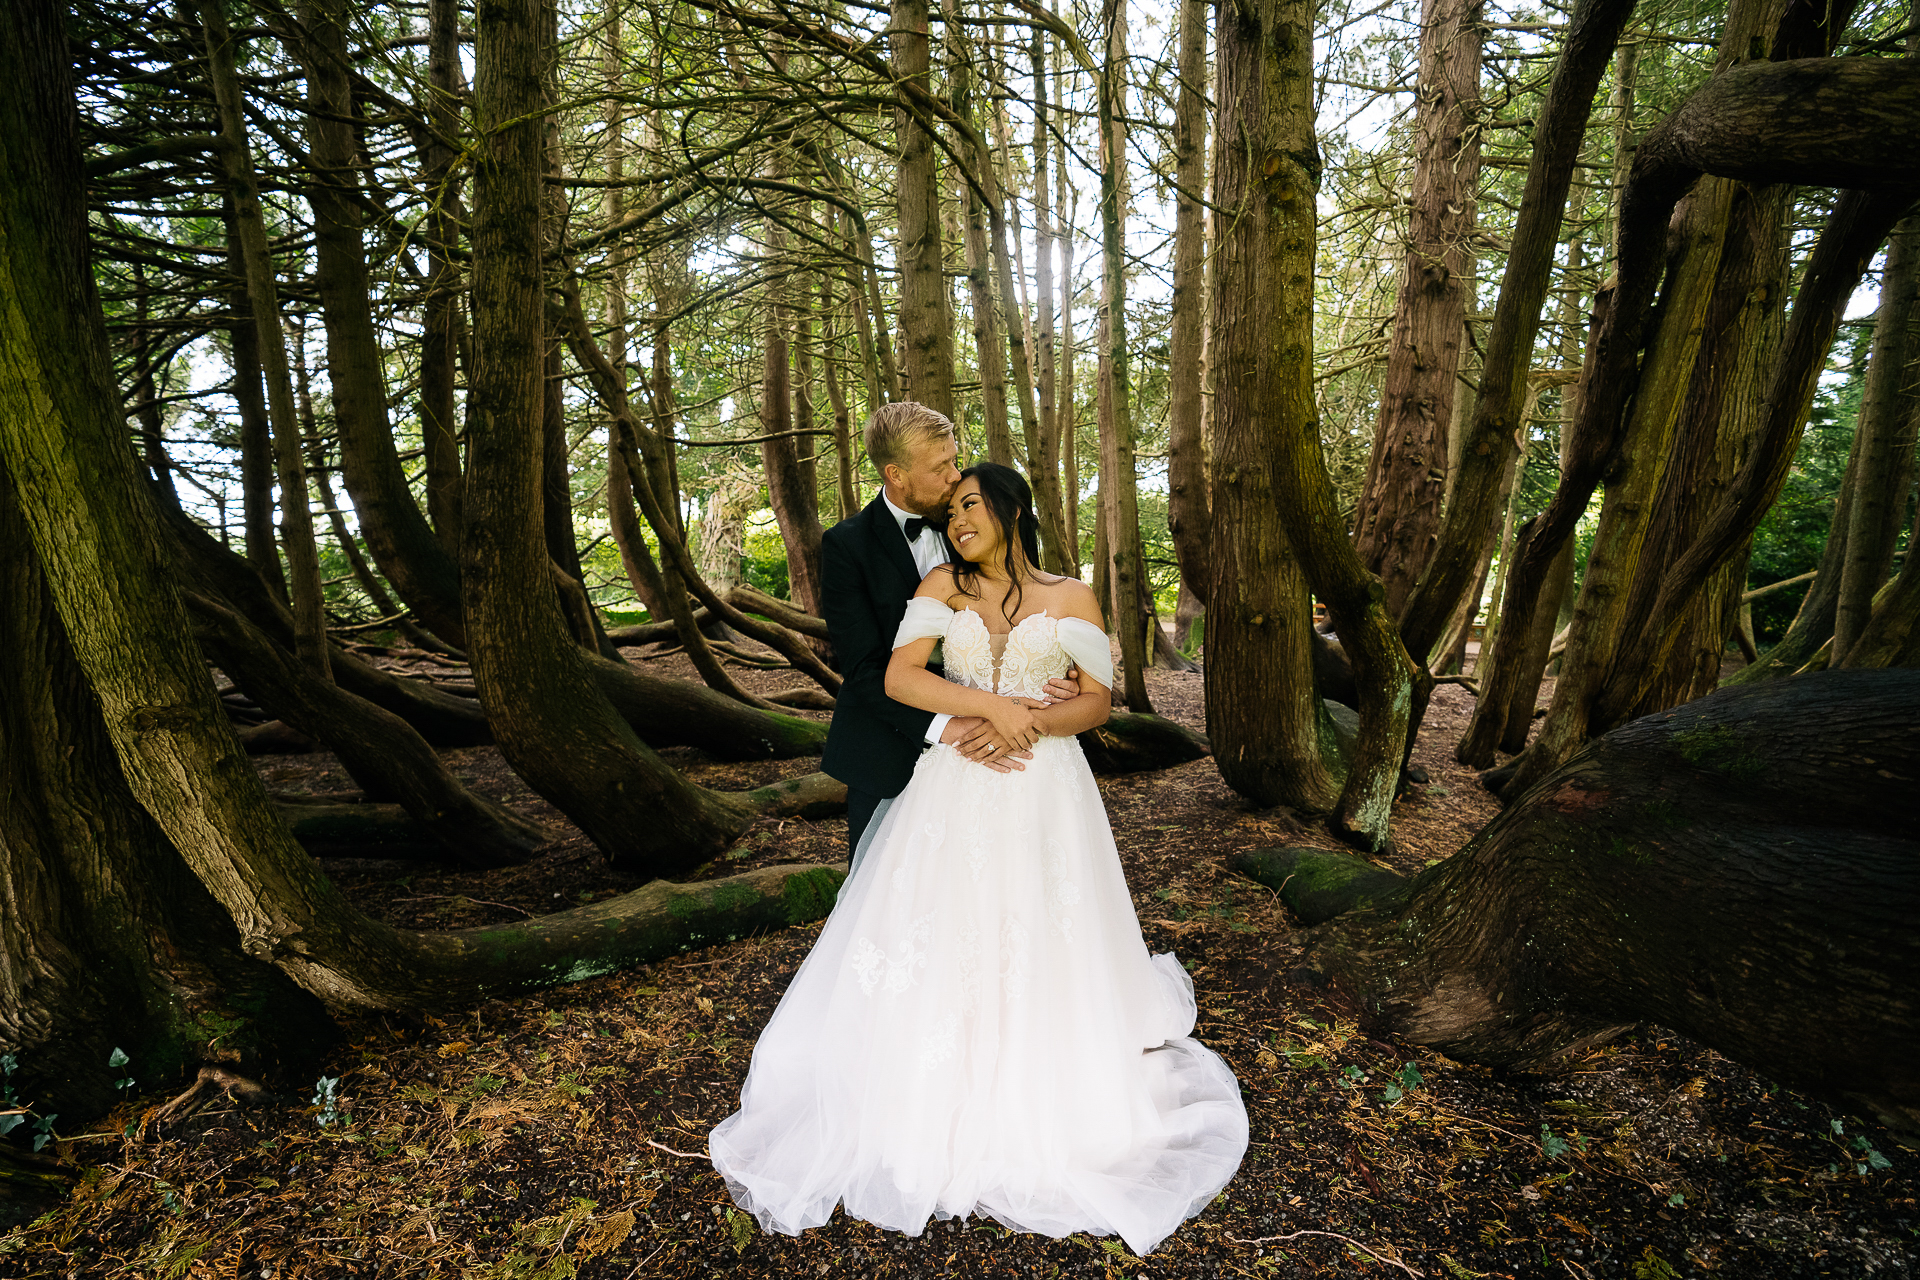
564,1134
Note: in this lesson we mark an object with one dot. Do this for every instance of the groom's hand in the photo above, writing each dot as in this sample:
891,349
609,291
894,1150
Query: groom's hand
975,738
1064,688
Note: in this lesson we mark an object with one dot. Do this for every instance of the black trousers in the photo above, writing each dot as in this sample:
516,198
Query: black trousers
860,807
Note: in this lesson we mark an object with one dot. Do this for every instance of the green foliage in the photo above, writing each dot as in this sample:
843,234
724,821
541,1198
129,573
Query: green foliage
326,1097
1651,1266
1403,1084
1794,531
765,564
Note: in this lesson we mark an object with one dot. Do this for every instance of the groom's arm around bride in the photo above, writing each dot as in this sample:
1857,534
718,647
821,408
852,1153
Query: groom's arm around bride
871,564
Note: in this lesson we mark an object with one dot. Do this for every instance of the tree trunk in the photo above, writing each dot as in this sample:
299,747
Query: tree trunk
926,321
439,423
1066,420
550,721
1892,635
1713,133
1119,481
1043,447
256,431
1186,614
790,485
384,605
1518,720
623,522
1274,112
94,532
145,391
403,544
1263,714
846,461
1633,482
1586,47
1727,870
1399,512
1129,743
1860,223
988,349
107,941
1886,441
1186,453
296,515
378,749
1722,411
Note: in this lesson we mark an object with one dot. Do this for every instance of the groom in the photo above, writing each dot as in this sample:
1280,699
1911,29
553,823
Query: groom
871,564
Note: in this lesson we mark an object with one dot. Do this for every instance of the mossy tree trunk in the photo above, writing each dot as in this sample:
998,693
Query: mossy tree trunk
926,318
1559,131
107,941
549,717
404,546
1729,869
1271,45
101,549
1399,512
1263,713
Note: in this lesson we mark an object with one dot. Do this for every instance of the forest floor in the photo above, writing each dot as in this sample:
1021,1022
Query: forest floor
564,1133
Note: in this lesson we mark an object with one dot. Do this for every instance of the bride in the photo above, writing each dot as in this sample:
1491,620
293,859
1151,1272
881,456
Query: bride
980,1028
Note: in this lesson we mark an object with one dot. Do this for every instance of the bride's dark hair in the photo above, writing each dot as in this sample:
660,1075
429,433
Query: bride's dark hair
1011,501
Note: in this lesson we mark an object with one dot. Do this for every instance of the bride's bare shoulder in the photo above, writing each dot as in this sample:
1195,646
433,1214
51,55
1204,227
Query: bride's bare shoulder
939,584
1068,595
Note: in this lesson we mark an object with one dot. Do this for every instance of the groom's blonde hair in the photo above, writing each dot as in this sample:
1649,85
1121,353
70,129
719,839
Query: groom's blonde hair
896,430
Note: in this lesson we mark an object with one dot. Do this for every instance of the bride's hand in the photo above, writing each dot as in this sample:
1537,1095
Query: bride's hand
1015,721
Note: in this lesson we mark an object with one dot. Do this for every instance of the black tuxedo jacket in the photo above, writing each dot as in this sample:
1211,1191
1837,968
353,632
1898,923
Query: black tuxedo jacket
867,577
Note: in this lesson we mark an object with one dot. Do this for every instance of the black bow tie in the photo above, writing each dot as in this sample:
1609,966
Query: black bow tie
916,525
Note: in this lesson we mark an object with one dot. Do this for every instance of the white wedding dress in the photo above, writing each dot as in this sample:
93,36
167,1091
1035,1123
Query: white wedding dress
980,1028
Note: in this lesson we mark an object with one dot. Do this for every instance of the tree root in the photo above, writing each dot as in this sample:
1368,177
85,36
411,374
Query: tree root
1129,743
212,1084
1743,869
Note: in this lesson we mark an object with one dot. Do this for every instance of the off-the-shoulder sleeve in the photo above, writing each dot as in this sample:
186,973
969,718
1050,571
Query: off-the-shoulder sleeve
1087,645
926,619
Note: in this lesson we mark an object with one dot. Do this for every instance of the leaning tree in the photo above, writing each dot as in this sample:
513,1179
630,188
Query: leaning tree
131,803
1743,869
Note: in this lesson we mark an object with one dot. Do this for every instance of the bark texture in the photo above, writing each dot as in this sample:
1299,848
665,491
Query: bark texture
1264,716
1886,443
1399,513
403,544
926,320
107,941
1119,485
1737,869
550,720
1492,431
1186,451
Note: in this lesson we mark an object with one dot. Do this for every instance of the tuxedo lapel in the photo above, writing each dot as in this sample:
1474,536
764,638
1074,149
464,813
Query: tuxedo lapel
893,544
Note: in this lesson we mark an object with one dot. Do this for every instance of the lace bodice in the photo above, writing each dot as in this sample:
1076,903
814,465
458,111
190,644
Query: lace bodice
1039,649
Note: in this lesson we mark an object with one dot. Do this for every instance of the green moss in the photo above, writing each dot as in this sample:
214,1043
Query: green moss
733,895
1626,851
809,895
1721,749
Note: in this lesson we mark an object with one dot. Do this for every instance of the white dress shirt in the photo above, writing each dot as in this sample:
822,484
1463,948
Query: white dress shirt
929,552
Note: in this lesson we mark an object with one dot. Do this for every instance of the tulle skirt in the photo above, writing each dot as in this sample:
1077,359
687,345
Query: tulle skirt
980,1029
